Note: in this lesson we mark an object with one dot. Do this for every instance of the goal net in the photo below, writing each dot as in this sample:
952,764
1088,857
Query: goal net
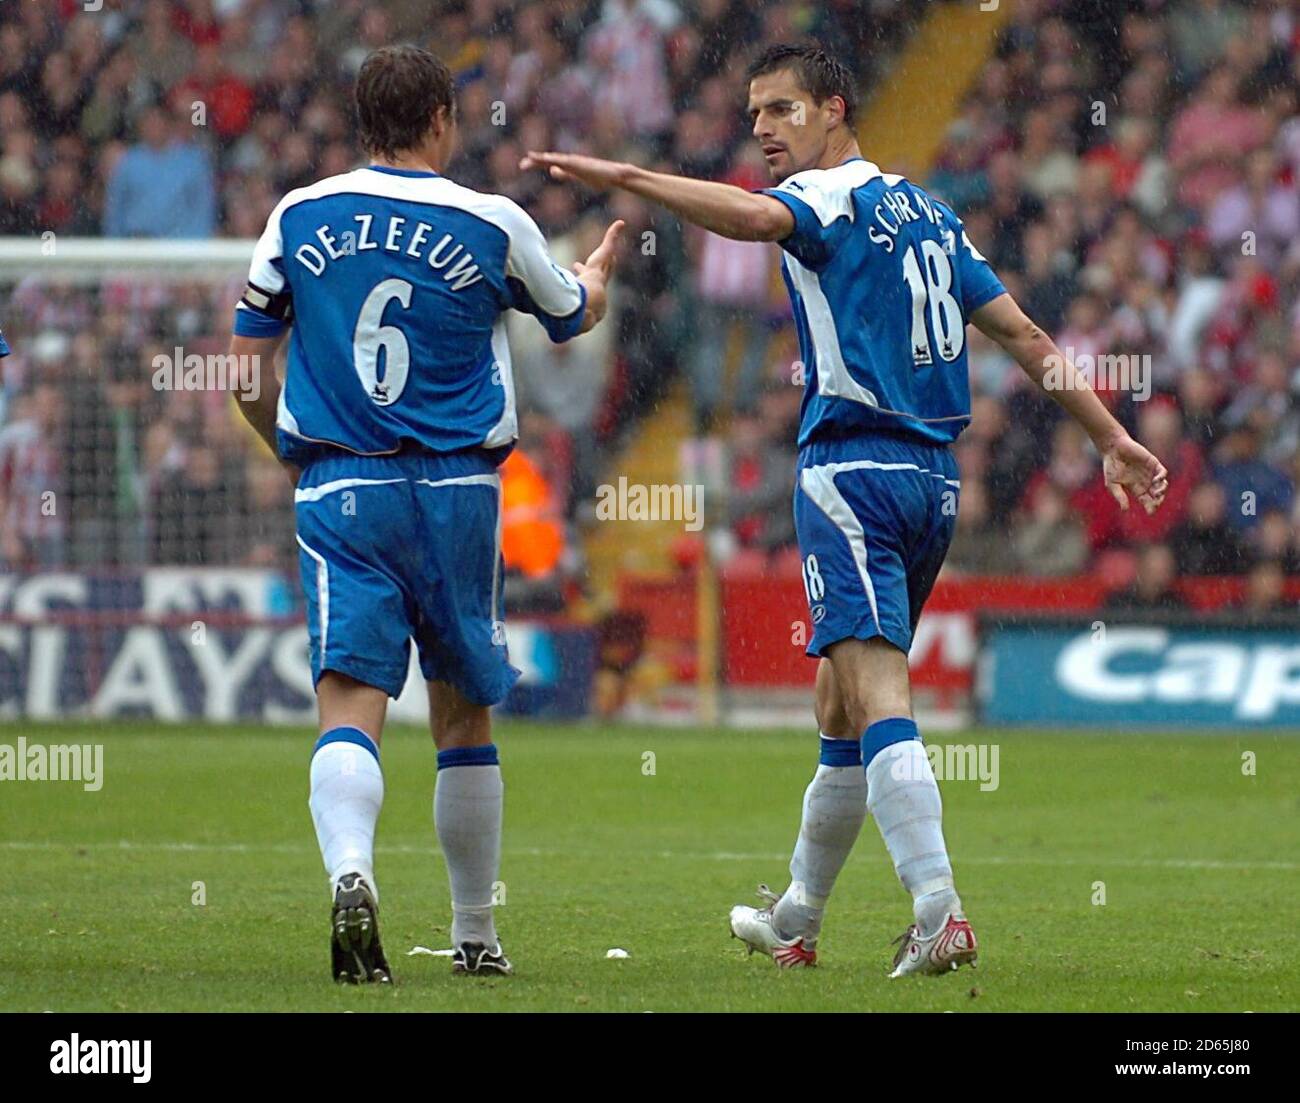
116,449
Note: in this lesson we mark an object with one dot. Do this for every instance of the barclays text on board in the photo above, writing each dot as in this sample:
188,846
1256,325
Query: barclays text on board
214,645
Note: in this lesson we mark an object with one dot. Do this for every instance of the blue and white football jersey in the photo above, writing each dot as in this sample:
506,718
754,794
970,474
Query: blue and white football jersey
883,280
395,283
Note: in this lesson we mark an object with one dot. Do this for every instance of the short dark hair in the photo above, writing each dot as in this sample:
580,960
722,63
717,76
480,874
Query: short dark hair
818,71
399,89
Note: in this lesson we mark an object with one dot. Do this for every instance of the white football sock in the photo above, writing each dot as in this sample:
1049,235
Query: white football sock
834,806
903,797
467,802
347,791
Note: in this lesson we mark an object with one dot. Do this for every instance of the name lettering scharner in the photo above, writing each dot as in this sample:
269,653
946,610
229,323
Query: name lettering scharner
894,211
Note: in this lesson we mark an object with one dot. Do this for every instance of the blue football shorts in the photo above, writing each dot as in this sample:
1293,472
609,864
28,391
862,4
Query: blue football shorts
874,517
400,548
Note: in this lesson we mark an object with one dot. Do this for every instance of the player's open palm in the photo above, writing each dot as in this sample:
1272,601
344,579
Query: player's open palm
1128,468
604,255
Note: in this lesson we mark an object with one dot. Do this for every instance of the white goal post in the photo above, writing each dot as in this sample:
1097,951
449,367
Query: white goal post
87,261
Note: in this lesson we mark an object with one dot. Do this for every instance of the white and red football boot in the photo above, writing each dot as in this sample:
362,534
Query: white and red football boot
950,947
753,926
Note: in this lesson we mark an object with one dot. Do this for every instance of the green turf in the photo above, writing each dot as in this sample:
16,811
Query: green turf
1201,867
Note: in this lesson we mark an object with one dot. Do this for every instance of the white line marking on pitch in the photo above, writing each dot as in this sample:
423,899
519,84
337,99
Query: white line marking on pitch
668,855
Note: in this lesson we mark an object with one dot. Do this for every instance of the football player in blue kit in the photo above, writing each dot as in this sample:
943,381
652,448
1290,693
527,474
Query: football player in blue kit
883,281
392,283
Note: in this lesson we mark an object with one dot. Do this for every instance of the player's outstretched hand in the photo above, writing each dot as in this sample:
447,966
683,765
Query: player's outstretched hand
603,256
1128,468
592,171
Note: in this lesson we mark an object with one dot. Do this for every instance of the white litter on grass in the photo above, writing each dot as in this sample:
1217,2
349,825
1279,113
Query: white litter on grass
418,950
616,953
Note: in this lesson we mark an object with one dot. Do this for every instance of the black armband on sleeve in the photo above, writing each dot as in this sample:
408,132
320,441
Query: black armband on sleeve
265,302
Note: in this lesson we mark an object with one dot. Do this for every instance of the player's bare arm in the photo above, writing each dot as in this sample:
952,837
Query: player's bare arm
259,409
794,126
1127,467
723,208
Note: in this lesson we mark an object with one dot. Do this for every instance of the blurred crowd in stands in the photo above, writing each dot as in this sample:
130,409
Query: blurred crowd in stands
1139,192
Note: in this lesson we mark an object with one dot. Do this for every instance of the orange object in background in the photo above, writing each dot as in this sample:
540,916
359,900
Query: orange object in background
532,538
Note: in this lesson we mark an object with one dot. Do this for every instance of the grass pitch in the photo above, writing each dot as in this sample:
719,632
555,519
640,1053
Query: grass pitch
1200,865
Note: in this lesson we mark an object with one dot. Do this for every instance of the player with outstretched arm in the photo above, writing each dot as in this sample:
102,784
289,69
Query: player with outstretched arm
883,281
392,283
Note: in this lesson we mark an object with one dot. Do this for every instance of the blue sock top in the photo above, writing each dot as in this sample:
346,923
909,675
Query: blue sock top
885,733
485,755
348,735
840,752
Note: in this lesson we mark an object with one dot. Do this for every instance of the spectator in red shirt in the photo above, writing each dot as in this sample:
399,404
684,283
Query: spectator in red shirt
227,100
761,473
1161,422
196,20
